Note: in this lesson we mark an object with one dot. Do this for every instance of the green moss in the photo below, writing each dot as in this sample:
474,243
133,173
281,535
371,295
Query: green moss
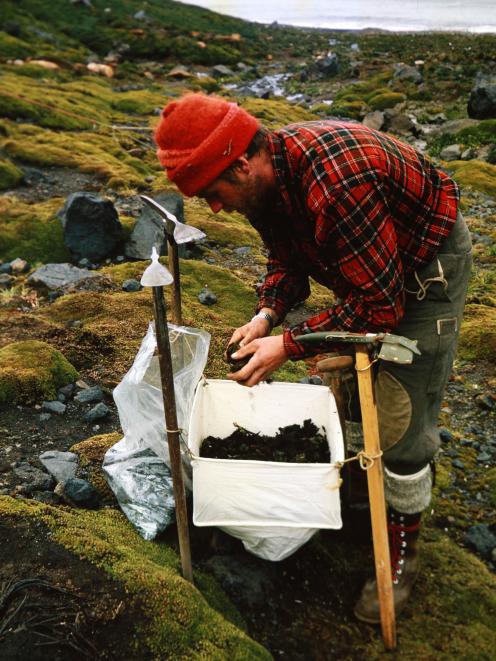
99,154
13,47
476,175
91,453
277,113
385,100
178,620
351,109
10,175
478,333
32,231
31,371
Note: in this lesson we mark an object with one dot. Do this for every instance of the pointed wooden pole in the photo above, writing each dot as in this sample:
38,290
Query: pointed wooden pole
155,276
167,379
375,479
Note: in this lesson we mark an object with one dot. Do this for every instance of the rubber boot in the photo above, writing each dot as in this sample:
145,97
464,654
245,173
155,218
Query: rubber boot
403,532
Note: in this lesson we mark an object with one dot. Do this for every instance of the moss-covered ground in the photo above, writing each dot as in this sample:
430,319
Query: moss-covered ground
71,120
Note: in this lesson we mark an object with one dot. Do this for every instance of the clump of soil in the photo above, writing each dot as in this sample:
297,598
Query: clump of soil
235,365
293,444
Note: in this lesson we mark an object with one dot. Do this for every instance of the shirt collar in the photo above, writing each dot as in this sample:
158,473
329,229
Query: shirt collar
281,170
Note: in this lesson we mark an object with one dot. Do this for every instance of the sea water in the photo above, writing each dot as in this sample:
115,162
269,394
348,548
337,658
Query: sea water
394,15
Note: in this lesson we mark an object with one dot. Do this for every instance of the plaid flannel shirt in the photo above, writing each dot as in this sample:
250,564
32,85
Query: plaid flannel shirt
358,211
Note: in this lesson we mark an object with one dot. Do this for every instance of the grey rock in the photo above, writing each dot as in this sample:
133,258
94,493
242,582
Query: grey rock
33,478
58,276
243,250
482,100
79,493
150,231
468,154
407,72
180,71
91,226
485,402
54,407
62,465
131,285
19,265
313,380
456,463
96,413
88,395
400,123
206,297
5,268
45,416
483,457
221,71
47,497
374,120
482,539
6,281
141,15
451,153
67,390
247,581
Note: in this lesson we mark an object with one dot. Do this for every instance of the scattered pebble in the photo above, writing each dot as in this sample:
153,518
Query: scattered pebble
54,407
96,413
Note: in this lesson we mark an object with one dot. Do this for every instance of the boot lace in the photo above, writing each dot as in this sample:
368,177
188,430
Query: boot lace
398,541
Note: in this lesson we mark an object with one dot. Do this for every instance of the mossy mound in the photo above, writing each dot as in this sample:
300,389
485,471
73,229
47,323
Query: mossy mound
31,371
384,100
478,333
31,230
10,174
101,154
178,620
476,175
91,453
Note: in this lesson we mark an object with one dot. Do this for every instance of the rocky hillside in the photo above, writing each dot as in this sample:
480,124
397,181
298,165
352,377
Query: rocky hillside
82,85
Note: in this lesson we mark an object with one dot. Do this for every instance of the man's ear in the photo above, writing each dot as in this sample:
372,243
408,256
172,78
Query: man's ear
243,164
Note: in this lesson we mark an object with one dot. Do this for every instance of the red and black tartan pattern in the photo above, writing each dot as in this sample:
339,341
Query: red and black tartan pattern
359,211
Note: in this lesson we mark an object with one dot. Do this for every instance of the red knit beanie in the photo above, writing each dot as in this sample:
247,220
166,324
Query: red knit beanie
199,136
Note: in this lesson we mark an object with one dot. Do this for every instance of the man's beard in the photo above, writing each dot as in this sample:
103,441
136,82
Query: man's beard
261,199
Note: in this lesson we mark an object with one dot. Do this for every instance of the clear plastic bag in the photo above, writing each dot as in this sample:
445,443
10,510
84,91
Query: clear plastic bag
140,406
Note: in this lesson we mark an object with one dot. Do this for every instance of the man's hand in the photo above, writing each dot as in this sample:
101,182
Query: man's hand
257,327
267,354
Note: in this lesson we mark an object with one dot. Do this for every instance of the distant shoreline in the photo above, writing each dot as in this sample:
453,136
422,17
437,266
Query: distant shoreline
370,30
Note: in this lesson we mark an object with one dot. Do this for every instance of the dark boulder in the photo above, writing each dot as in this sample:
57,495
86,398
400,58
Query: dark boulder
482,99
328,65
92,229
149,230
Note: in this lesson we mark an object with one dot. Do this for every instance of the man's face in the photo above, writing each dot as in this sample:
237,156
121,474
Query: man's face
250,194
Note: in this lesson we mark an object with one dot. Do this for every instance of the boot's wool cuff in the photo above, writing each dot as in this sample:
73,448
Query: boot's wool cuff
408,493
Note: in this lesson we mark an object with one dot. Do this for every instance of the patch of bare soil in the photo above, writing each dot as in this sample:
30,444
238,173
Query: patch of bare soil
55,606
41,183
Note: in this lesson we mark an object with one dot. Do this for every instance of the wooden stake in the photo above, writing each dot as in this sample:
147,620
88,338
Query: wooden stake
375,480
167,379
176,313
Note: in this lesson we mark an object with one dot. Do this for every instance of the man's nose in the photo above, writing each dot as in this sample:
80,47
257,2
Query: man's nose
215,205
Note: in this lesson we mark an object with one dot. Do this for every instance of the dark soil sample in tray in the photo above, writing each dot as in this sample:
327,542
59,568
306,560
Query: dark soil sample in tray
293,444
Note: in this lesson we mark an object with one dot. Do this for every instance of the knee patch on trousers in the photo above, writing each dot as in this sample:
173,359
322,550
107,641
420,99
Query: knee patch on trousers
394,409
